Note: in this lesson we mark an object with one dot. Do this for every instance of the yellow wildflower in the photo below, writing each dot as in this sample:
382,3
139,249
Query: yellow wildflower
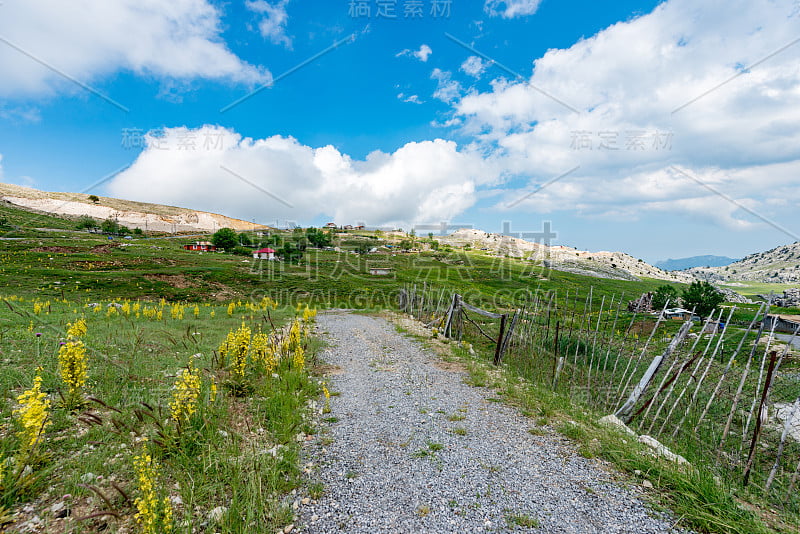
185,394
33,413
154,512
72,362
76,329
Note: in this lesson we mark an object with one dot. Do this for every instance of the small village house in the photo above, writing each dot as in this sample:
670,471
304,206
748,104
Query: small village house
380,271
678,314
783,323
203,246
264,254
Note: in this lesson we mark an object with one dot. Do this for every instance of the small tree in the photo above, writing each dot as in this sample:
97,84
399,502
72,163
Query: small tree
86,222
245,240
318,238
290,253
109,226
94,199
662,294
703,297
225,238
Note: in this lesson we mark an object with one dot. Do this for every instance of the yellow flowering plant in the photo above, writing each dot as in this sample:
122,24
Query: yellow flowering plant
33,414
154,511
73,364
185,395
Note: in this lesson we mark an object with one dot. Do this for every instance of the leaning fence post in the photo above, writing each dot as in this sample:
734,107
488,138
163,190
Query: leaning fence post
559,360
625,410
497,352
761,416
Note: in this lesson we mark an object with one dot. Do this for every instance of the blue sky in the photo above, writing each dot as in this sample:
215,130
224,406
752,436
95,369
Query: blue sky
660,129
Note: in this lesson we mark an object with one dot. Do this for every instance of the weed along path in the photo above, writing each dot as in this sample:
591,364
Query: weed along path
409,447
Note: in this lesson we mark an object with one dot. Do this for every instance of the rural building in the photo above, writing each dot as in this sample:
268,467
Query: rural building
264,254
380,271
678,314
204,246
783,323
330,225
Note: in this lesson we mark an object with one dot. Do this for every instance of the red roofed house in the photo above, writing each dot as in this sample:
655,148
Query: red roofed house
204,246
264,254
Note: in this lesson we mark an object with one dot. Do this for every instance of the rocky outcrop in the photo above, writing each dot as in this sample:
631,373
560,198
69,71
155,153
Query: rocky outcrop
644,304
789,299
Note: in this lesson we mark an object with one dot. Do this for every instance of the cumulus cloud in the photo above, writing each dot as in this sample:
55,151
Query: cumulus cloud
278,177
643,97
447,89
508,9
474,66
422,54
49,42
273,24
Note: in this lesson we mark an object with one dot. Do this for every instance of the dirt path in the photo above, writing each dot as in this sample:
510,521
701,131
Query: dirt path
409,447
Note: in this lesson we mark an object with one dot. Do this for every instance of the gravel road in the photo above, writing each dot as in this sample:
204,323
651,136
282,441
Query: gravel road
410,447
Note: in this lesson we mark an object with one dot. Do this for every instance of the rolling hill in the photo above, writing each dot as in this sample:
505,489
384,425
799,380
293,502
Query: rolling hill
780,265
153,217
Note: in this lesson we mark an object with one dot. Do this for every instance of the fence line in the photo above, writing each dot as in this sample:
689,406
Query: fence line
674,380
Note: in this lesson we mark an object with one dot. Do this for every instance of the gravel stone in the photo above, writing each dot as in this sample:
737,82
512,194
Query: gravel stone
395,464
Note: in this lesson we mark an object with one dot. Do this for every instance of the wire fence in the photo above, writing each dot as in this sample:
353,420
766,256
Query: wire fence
726,397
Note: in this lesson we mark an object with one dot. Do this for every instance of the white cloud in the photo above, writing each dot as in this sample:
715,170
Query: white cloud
281,178
273,25
413,99
447,89
508,9
422,54
474,66
628,84
179,39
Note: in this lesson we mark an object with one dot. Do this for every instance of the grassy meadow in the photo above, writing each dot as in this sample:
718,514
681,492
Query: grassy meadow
188,416
198,389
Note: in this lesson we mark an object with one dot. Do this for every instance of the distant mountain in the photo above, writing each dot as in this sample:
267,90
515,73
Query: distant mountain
695,261
779,265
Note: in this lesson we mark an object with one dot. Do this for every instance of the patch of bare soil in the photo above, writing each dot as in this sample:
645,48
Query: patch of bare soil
326,370
89,265
175,280
104,249
57,250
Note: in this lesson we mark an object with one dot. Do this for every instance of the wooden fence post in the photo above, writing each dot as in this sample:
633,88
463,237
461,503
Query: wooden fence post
625,410
759,420
497,352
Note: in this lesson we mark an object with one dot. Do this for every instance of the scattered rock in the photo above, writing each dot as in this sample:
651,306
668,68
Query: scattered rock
216,514
613,420
647,484
660,450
